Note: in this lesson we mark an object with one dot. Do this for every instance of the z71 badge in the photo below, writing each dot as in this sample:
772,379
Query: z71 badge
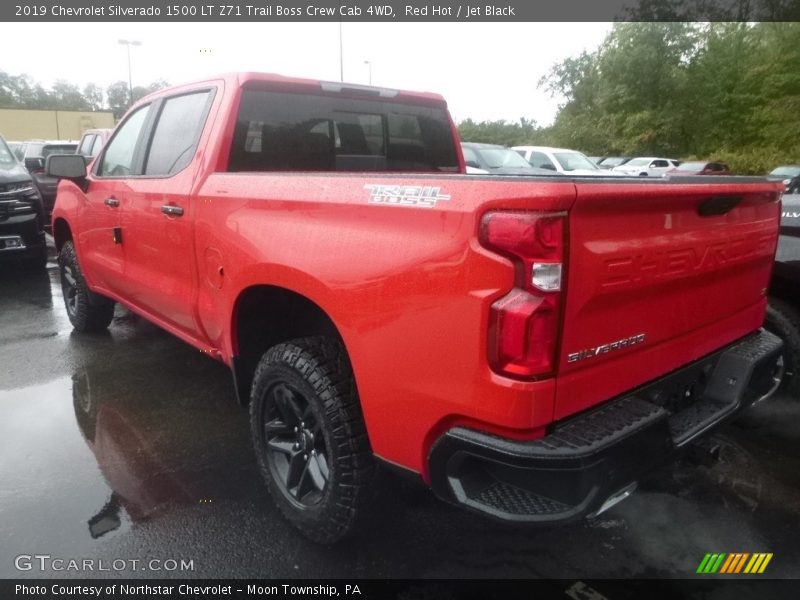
423,196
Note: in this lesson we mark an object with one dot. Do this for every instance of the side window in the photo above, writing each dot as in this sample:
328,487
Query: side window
540,160
177,133
97,146
118,158
470,156
86,144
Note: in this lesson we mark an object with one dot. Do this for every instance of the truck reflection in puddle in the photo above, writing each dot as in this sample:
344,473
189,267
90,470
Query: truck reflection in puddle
142,484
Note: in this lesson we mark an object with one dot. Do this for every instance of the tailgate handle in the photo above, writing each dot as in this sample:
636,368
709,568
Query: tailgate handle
172,210
719,205
112,202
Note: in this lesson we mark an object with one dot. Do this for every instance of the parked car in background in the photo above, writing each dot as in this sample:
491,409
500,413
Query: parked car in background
646,166
562,160
496,160
21,213
697,167
92,142
18,149
609,162
783,312
789,175
36,153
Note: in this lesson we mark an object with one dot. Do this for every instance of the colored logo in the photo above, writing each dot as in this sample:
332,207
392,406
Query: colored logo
735,563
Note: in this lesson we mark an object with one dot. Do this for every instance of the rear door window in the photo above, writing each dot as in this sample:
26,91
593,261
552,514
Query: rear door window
278,131
177,132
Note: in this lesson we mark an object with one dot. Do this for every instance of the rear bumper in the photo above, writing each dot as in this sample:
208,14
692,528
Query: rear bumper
588,462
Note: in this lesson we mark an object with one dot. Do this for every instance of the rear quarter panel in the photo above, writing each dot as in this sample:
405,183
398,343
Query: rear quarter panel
408,288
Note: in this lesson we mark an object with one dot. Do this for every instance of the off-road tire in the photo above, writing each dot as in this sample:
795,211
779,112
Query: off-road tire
784,321
312,375
87,311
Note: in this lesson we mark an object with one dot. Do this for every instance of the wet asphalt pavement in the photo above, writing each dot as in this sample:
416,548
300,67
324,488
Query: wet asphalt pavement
129,445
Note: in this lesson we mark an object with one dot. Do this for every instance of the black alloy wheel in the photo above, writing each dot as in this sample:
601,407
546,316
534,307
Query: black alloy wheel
297,454
310,438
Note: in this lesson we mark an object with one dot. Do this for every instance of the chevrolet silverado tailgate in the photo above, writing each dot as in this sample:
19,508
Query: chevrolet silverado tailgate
659,274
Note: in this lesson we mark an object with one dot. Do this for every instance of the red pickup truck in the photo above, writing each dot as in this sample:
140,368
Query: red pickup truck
526,346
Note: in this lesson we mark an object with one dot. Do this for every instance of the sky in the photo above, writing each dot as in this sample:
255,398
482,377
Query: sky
486,71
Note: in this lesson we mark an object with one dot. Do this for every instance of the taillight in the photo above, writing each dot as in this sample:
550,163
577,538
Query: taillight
523,324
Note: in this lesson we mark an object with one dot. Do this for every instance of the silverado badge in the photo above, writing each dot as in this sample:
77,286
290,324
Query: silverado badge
606,348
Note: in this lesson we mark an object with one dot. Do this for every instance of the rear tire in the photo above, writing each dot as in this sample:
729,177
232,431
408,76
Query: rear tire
310,439
86,310
783,320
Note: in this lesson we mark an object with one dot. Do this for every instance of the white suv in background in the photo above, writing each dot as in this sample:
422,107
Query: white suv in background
646,166
562,160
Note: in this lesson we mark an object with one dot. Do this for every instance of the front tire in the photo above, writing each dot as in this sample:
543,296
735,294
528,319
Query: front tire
784,321
310,439
86,310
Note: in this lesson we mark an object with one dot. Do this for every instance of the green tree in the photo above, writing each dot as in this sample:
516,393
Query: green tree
500,132
718,90
93,95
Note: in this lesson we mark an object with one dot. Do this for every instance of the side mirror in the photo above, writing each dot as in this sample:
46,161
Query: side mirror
34,164
66,166
548,166
472,163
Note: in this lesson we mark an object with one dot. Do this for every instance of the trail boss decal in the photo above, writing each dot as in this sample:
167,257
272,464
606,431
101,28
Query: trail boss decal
606,348
424,196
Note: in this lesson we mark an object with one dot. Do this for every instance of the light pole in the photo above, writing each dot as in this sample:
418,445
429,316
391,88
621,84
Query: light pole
128,44
369,66
341,54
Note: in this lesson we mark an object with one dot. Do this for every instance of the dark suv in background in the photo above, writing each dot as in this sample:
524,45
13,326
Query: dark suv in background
36,153
22,216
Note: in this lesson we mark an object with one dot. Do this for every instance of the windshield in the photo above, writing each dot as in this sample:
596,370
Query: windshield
6,158
612,162
638,162
692,166
786,171
61,149
498,158
570,161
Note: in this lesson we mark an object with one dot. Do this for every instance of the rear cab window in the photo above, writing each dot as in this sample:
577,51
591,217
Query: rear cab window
287,131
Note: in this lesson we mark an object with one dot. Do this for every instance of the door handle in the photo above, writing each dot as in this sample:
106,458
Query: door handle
172,210
112,202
